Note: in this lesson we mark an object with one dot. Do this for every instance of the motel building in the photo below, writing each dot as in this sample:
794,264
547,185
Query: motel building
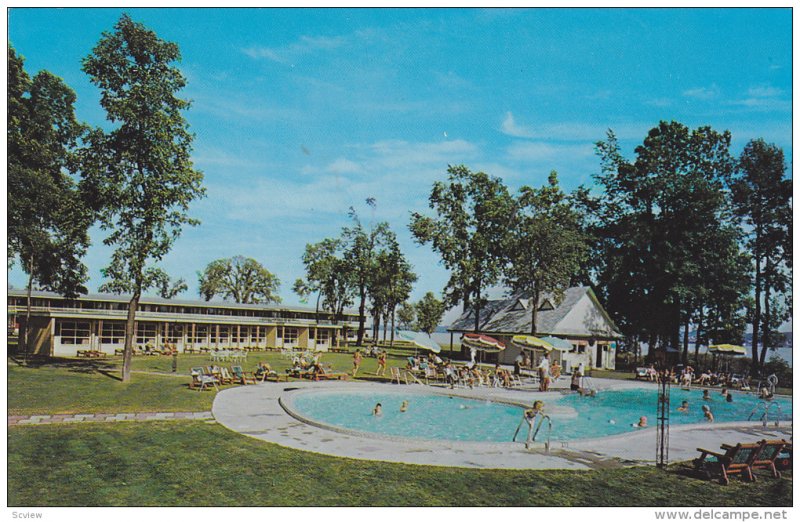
577,318
61,326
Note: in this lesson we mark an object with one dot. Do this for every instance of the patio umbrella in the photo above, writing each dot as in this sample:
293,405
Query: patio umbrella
529,342
420,340
728,349
561,345
482,343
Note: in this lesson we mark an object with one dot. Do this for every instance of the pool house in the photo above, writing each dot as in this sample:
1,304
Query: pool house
578,318
61,326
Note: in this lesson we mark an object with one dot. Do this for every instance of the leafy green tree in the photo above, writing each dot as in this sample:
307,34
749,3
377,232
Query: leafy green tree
394,281
327,275
139,174
239,279
545,244
762,198
473,215
406,315
361,249
662,221
47,221
429,312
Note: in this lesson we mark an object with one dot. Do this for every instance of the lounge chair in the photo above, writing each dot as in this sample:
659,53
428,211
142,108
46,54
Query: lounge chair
225,376
242,376
201,380
736,460
765,458
642,373
323,373
395,372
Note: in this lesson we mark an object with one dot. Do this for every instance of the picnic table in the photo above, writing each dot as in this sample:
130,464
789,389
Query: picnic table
90,353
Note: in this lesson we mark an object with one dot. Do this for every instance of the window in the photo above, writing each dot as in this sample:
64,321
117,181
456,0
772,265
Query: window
174,333
290,336
73,332
201,333
224,335
322,336
262,333
145,332
113,332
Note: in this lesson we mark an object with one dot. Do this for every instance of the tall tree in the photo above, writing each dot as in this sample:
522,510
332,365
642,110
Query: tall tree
328,276
140,173
429,312
473,215
395,280
762,198
47,221
545,243
661,220
240,279
406,315
362,245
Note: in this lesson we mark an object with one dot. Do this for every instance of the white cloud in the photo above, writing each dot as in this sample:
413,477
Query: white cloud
702,93
764,91
344,166
512,128
291,52
538,151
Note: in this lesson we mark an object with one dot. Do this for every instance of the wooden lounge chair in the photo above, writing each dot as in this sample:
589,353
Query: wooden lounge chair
201,380
765,458
736,460
242,376
395,373
225,376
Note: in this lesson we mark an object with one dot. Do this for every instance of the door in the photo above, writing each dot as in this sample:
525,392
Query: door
599,356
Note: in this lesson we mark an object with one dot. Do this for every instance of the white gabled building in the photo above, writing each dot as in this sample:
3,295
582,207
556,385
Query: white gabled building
578,318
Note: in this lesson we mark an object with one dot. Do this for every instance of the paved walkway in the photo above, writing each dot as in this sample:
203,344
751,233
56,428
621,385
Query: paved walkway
257,411
16,420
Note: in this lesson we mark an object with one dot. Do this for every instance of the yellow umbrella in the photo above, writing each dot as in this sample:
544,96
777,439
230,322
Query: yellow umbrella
727,348
527,342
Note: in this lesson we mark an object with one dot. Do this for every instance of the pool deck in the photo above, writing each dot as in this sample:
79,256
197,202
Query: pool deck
256,411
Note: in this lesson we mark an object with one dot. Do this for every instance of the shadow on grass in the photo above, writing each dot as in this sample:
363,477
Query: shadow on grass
73,365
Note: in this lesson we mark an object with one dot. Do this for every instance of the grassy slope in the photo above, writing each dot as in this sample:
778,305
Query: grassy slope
93,386
198,464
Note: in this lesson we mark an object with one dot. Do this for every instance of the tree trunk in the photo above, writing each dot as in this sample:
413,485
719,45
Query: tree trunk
534,304
756,316
765,334
385,325
27,329
361,308
391,342
127,354
697,338
685,355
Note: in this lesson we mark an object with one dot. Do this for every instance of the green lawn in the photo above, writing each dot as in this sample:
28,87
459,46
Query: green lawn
93,386
191,463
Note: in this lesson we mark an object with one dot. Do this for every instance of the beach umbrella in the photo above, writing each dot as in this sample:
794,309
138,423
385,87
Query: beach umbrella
727,349
529,342
482,342
420,340
561,345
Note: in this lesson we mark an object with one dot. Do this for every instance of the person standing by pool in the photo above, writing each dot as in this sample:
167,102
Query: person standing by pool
356,362
544,377
381,363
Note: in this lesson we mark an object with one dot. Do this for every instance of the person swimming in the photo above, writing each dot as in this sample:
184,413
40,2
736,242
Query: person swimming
707,413
684,408
641,424
377,410
706,396
729,398
404,407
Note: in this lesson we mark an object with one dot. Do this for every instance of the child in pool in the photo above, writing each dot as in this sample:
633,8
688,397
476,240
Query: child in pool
377,410
707,413
642,422
706,396
684,408
404,407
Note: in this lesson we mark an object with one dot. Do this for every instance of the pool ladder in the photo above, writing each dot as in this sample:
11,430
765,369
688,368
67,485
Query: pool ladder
767,406
533,430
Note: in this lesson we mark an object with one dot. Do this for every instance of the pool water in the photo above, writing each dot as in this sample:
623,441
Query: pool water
574,417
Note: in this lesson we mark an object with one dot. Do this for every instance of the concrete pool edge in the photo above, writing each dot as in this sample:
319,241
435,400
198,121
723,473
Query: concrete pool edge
254,411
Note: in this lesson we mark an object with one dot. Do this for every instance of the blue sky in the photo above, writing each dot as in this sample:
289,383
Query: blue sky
301,113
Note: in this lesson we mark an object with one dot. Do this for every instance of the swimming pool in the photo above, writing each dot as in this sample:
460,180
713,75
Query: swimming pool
437,417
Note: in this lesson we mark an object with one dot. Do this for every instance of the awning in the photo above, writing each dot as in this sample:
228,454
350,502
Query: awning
482,342
420,340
